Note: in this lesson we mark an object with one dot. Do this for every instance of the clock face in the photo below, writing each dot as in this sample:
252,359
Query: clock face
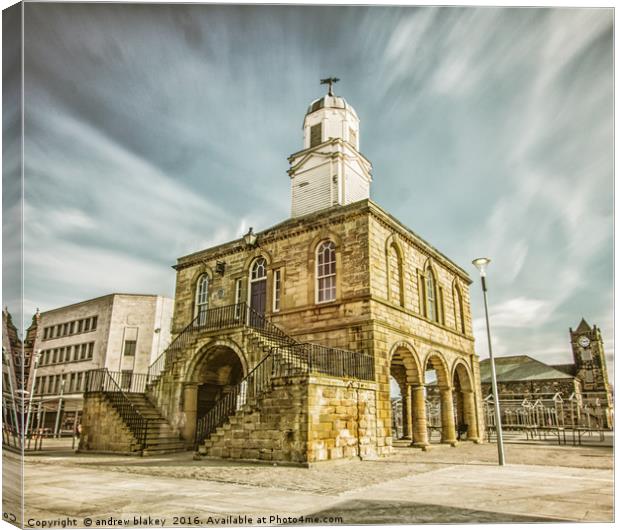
584,341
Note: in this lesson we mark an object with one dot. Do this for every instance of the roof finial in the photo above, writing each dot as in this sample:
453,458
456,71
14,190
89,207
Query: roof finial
330,81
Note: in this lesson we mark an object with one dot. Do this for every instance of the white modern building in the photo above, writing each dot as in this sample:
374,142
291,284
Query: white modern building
123,333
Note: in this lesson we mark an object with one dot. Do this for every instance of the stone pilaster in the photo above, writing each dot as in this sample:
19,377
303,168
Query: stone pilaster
190,408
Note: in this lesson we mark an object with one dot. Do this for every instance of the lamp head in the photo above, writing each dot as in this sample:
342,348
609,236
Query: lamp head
481,264
250,238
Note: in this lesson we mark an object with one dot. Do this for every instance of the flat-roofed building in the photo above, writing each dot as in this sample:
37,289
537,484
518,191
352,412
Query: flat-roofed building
122,333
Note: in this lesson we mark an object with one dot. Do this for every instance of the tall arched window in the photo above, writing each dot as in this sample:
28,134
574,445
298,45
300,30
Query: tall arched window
459,316
431,296
258,286
395,287
259,270
326,272
202,294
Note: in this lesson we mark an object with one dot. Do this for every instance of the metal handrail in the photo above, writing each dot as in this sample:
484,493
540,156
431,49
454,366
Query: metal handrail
130,415
158,365
286,357
256,382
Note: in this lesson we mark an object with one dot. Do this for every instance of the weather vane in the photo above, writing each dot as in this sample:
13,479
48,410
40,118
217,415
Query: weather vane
330,81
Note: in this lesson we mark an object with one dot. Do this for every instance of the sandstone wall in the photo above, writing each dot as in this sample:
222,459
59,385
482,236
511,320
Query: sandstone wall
102,428
341,420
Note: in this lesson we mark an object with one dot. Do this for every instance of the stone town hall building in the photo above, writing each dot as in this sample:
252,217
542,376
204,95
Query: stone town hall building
286,339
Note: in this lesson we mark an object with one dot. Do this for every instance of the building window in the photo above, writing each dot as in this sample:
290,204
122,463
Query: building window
237,297
459,314
202,294
395,282
431,299
277,287
259,269
316,132
91,349
326,272
130,348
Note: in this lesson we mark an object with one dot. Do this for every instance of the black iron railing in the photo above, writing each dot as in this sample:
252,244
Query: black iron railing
340,363
225,317
251,387
175,347
102,380
286,356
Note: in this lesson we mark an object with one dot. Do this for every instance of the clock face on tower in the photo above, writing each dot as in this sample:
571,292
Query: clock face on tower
584,341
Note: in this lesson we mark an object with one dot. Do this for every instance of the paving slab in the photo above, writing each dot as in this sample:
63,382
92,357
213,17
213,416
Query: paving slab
443,485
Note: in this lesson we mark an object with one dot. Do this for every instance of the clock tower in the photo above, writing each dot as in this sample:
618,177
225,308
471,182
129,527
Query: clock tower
589,355
329,170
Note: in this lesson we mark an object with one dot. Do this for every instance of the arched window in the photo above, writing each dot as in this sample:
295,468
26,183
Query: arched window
259,270
257,292
431,296
326,272
202,294
395,287
459,316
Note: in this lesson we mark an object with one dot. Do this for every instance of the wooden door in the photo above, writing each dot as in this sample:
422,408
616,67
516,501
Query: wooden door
258,296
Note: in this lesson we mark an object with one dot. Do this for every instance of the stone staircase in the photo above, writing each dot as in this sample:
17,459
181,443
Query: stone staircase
239,410
160,436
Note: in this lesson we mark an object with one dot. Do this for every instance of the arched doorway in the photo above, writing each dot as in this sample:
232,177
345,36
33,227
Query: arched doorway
218,374
464,403
439,402
407,396
258,285
218,371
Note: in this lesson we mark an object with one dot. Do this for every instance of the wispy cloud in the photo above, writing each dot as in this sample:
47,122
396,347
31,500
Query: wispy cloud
154,131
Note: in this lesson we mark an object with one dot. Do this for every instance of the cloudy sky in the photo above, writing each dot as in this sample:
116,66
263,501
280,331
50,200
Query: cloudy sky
155,131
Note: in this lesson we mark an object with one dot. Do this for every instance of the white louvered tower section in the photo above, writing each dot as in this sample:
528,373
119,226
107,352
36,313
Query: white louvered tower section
330,170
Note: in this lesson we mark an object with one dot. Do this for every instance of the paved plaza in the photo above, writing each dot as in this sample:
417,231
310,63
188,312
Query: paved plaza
445,484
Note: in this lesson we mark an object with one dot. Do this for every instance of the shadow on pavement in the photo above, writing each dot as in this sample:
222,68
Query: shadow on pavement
398,512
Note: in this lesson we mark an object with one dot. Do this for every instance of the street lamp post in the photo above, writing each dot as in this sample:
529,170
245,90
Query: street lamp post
59,411
481,265
32,388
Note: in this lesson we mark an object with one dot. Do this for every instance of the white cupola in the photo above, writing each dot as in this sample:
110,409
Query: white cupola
330,170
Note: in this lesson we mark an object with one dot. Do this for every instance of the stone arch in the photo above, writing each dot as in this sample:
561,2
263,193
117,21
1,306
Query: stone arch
461,370
253,256
323,235
404,354
464,399
439,398
201,352
405,368
438,363
215,369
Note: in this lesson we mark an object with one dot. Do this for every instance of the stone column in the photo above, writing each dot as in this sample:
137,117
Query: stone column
406,401
448,432
190,408
418,407
469,409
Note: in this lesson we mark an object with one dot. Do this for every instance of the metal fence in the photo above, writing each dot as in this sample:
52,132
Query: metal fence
577,418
